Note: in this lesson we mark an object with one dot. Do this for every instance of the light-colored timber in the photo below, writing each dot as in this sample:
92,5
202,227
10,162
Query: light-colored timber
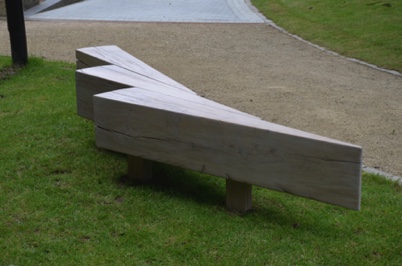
113,55
95,80
159,127
157,121
128,72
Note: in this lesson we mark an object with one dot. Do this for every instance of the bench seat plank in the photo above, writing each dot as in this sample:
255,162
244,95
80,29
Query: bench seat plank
95,80
113,55
173,129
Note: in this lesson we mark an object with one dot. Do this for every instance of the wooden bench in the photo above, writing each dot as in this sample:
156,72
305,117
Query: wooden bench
141,112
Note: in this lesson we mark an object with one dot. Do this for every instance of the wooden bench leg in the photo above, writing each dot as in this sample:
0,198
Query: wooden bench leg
238,196
139,169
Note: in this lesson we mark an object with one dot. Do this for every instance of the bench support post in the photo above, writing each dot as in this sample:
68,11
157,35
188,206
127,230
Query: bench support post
238,196
139,169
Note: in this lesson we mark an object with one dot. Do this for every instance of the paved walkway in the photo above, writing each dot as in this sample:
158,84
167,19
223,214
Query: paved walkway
216,11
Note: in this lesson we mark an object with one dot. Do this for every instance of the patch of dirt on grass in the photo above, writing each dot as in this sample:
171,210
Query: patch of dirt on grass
7,72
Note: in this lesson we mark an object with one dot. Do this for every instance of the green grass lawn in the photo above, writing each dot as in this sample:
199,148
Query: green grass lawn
65,202
369,30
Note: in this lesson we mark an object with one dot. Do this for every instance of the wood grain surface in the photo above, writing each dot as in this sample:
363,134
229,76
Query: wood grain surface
143,113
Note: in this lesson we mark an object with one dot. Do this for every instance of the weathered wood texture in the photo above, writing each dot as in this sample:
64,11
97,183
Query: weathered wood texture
161,122
95,80
127,70
150,124
113,55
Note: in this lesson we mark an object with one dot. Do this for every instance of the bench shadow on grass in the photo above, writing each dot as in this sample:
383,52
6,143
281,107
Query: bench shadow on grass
210,191
184,184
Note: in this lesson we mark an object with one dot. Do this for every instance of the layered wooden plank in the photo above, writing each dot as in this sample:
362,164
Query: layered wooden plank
113,55
95,80
192,132
126,71
158,119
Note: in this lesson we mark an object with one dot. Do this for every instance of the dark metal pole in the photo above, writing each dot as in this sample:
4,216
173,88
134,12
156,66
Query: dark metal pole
16,28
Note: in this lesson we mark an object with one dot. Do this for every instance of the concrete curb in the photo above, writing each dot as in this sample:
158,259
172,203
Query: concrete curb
387,176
